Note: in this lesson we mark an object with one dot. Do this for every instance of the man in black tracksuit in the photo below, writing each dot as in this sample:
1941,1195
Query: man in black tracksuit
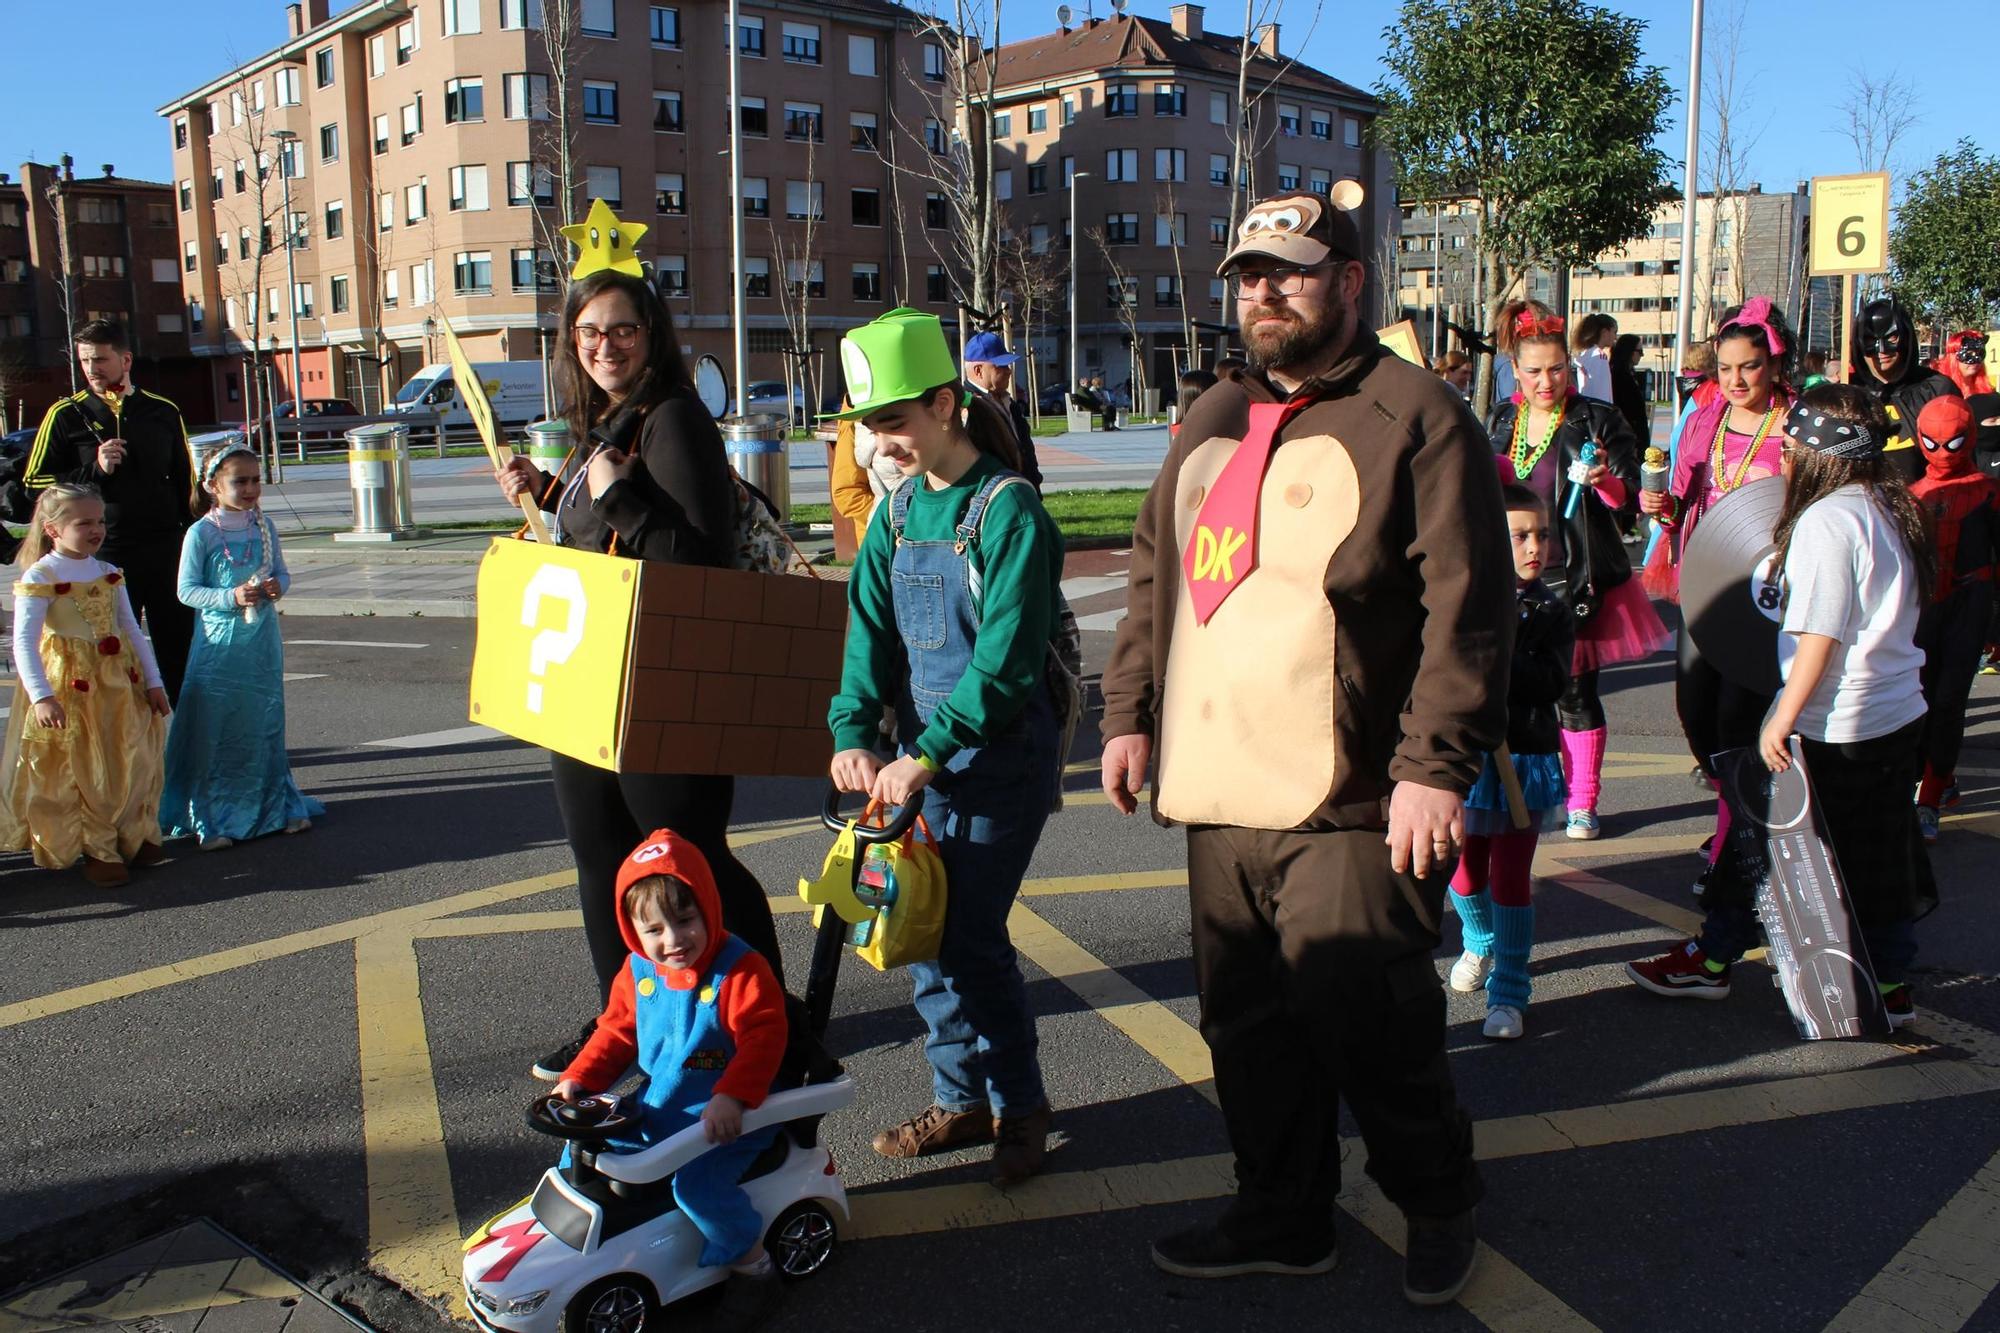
132,446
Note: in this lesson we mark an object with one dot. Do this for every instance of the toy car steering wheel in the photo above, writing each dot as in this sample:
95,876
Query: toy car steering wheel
600,1117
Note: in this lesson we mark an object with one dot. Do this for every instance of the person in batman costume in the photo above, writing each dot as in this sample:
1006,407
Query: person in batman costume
1883,363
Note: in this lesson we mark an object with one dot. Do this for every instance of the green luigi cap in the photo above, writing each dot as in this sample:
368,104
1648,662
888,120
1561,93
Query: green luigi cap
900,356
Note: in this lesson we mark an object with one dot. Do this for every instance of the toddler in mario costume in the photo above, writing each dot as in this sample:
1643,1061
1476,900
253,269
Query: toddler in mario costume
701,1015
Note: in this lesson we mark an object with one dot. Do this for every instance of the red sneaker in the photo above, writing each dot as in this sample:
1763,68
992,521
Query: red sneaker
1684,972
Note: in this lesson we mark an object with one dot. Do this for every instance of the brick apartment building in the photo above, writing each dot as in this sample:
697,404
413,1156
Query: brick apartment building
121,266
1147,108
420,178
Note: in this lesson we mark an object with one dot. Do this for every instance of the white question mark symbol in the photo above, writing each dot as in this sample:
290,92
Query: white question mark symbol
552,647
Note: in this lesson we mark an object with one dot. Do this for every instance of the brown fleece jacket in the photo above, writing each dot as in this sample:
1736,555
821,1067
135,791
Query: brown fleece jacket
1369,646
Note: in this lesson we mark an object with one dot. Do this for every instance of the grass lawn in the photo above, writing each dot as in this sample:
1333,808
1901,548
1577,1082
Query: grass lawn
1080,514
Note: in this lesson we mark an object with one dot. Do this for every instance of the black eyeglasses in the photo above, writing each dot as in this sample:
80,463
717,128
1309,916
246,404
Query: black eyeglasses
1286,281
622,336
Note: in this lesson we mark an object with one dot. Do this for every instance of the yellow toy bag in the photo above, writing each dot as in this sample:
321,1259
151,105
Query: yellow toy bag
911,928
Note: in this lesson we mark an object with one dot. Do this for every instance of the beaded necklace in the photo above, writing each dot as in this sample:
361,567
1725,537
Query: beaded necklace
1525,465
1718,455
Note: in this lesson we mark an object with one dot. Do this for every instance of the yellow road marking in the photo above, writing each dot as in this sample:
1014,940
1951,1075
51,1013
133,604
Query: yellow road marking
1631,900
1939,1280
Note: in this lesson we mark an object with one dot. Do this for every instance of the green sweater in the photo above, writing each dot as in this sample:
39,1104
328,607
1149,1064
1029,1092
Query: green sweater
1019,556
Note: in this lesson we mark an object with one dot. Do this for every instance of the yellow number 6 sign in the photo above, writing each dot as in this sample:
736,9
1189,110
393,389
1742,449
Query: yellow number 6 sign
1850,224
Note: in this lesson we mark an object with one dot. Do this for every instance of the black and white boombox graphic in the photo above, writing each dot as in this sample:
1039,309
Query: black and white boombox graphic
1809,923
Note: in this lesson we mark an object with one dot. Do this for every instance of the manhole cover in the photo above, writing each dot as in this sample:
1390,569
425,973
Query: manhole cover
195,1277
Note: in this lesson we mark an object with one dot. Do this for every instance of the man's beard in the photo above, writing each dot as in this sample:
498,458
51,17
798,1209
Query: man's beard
1301,343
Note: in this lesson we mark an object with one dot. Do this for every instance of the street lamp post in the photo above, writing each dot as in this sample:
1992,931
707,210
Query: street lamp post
1690,195
1075,250
286,151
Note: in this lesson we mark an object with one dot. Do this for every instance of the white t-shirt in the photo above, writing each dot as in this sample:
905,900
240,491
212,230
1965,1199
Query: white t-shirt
1849,577
1593,373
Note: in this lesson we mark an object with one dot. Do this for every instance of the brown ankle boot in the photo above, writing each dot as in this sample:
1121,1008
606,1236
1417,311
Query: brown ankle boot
151,854
105,874
1022,1143
936,1130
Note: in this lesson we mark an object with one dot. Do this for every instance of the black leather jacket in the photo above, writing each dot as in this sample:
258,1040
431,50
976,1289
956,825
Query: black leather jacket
1594,556
1544,636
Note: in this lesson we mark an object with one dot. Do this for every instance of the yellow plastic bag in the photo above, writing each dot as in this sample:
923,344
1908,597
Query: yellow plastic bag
911,928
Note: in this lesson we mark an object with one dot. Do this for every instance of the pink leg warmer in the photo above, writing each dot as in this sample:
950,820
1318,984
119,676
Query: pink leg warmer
1583,761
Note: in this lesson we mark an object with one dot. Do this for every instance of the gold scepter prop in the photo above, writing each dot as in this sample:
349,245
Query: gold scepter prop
481,409
1510,782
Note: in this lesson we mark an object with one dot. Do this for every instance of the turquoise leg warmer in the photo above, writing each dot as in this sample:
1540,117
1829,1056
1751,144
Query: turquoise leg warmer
1513,936
1475,915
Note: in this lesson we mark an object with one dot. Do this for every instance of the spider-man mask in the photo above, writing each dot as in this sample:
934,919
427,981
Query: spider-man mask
1944,428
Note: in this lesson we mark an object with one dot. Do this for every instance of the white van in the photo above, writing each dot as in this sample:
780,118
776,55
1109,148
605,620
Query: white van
513,387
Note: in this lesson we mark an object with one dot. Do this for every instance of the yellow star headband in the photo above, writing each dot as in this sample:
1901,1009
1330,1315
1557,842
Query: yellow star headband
603,242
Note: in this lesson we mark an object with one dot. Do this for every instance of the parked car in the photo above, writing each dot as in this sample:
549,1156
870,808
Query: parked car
16,443
769,396
319,407
1052,400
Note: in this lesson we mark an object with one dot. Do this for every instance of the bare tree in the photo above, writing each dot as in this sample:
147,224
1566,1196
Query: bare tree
1728,148
66,287
1250,132
1168,202
1036,282
264,195
1879,110
794,256
1122,291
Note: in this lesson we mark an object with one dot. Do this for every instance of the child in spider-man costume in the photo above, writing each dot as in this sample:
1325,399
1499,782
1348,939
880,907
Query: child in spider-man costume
1965,523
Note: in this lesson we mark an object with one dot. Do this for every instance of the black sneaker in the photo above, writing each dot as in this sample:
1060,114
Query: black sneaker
549,1069
1437,1258
1210,1251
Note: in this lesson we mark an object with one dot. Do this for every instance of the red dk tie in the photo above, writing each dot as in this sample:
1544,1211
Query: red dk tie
1224,549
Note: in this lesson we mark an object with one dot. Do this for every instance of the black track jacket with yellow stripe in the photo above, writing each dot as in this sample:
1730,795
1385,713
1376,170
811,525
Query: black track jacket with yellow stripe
146,498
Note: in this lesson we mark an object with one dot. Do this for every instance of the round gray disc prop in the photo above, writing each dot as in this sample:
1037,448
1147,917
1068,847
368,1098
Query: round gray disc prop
711,386
1731,598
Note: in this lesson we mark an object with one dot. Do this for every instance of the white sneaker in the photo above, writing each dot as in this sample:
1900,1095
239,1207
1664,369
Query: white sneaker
1469,973
1504,1023
217,843
299,825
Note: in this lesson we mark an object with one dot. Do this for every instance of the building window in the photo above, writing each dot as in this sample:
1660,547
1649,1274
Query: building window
1038,179
468,189
302,300
381,134
1288,120
221,247
300,230
288,88
1322,183
1003,184
935,289
1069,111
243,243
378,55
157,214
1350,131
750,41
1288,176
413,120
756,197
934,135
416,201
270,305
515,14
756,276
665,27
406,42
1218,291
669,193
808,280
1038,119
1169,99
329,143
186,195
1170,229
194,316
1218,108
337,297
802,121
1121,292
755,120
934,62
861,56
1322,126
805,200
1121,228
1218,230
861,131
801,43
868,282
937,217
181,132
423,283
336,220
472,272
673,271
604,183
525,96
190,257
215,184
1038,239
600,18
667,113
460,16
867,207
1068,170
1121,164
1003,124
1218,169
94,208
390,285
1169,164
600,103
532,270
529,184
1166,290
464,100
104,266
1121,99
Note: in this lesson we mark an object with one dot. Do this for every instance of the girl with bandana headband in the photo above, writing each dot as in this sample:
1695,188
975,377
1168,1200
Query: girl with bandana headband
228,777
1858,566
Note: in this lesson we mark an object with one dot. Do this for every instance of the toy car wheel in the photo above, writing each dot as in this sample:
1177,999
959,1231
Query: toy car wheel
801,1240
620,1304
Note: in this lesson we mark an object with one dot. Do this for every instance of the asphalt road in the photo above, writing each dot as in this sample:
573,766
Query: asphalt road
323,1042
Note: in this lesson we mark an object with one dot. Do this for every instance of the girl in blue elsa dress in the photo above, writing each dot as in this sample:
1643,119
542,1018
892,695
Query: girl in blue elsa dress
227,774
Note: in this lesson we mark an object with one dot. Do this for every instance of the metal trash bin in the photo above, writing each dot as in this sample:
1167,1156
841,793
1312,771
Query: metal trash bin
378,475
204,445
756,445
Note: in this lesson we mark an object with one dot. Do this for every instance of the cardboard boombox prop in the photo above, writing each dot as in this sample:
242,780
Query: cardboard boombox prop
645,667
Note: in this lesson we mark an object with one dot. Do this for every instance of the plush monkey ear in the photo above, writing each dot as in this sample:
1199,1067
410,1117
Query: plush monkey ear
1346,195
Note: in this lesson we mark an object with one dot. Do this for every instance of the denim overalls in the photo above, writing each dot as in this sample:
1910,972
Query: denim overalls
987,808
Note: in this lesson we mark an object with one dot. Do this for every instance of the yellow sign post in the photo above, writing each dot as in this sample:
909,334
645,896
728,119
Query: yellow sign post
1850,236
481,410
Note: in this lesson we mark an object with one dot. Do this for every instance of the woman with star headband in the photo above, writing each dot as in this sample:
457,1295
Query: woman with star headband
1578,455
654,484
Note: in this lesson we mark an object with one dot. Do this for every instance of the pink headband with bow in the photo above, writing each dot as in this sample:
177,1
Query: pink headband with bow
1756,314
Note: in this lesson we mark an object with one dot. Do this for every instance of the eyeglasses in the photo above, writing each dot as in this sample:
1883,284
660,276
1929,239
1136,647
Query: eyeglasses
1278,281
622,336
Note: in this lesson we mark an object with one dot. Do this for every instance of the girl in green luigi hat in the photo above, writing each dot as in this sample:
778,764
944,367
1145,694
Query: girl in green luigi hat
952,611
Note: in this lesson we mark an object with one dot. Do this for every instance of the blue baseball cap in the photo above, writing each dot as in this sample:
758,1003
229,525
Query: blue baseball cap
989,348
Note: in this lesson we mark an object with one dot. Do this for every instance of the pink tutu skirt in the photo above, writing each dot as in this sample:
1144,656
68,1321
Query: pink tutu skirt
1625,629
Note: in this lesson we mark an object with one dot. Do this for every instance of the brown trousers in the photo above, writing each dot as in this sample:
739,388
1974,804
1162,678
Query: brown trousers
1317,985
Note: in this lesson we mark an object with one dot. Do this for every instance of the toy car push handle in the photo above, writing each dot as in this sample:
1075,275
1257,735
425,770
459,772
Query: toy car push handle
677,1150
864,835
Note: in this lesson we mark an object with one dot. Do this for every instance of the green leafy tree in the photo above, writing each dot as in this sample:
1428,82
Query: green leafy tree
1944,249
1539,110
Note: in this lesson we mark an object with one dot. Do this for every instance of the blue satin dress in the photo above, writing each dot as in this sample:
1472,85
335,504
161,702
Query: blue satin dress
227,772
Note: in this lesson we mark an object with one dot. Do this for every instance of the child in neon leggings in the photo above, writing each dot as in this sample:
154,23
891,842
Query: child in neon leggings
1491,887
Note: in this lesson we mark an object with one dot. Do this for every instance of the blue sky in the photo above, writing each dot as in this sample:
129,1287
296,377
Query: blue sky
95,98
